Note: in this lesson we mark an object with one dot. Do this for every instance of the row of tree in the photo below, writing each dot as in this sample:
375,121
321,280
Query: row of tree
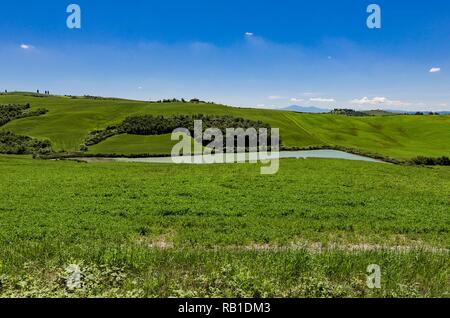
45,92
176,100
11,143
348,112
159,125
11,112
429,161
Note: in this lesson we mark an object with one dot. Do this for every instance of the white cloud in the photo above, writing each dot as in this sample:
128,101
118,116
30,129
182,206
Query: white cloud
26,46
140,87
443,105
368,101
297,100
248,33
435,70
261,105
378,101
322,100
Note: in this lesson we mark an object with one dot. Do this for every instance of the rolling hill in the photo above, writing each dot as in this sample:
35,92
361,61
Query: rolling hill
70,119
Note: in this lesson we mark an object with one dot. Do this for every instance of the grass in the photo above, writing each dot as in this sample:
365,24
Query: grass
148,230
70,120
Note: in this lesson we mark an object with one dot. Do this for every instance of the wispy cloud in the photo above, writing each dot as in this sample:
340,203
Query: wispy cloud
322,100
435,70
379,101
297,100
248,34
24,46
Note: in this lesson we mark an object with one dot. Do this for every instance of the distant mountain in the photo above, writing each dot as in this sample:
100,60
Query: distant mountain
306,109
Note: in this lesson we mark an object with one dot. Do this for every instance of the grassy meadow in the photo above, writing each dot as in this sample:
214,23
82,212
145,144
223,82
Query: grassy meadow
165,230
149,230
70,120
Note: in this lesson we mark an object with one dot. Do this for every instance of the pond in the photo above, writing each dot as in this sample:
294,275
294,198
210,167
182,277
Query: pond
330,154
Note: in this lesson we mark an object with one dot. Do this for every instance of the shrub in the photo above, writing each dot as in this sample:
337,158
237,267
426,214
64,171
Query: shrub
348,112
11,143
97,136
11,112
159,125
428,161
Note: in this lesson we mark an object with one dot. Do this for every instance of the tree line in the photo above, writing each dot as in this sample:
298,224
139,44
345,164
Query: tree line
159,125
13,111
11,143
176,100
429,161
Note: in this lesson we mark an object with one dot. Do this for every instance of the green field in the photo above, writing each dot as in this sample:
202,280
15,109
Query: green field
165,230
148,230
70,120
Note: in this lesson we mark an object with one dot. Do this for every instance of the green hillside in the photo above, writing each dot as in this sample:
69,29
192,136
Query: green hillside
69,120
149,230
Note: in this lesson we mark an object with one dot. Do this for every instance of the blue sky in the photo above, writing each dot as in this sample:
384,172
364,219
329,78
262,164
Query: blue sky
248,53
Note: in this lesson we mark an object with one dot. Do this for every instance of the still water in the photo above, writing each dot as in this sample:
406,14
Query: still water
331,154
